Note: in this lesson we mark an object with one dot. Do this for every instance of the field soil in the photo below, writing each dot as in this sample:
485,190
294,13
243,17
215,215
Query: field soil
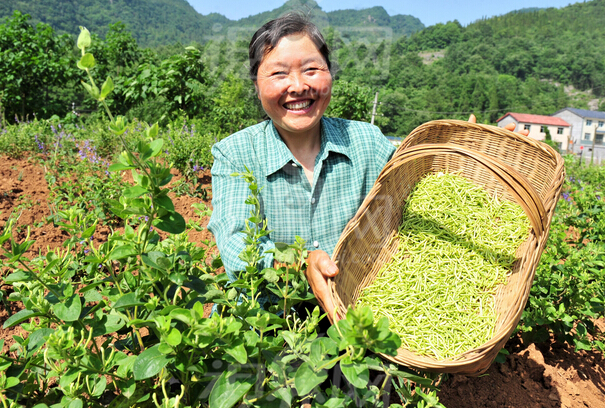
536,375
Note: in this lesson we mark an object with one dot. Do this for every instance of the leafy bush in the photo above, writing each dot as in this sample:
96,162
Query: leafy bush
568,293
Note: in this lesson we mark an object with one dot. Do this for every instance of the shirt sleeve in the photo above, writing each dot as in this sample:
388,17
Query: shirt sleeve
230,211
384,149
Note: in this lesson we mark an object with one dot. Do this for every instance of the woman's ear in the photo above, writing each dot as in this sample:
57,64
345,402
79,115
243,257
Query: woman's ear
256,89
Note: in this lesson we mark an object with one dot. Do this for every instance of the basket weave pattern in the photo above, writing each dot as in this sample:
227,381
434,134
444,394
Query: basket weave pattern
505,164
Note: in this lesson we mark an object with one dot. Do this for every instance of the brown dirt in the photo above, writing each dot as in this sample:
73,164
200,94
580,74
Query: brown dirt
544,375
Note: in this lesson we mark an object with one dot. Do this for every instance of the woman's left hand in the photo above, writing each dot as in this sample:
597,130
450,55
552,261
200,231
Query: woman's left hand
510,126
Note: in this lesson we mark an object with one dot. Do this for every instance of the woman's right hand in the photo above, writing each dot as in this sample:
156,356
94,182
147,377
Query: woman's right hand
319,268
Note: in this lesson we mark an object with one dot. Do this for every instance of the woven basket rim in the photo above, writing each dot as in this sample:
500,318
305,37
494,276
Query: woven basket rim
472,361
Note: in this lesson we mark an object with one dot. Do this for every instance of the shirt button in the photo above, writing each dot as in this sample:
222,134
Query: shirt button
294,164
315,244
312,200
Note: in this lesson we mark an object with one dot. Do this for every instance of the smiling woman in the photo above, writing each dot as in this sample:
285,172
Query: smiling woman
313,172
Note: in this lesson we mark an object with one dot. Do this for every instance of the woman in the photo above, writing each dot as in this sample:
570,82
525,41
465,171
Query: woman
314,172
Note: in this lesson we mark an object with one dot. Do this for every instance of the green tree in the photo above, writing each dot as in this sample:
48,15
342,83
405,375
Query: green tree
350,101
35,68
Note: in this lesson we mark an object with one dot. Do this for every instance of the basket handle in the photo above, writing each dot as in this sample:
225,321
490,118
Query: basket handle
517,185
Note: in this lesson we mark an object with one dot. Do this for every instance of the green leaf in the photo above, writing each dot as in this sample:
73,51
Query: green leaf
128,300
164,202
306,379
156,145
68,310
92,90
19,317
106,88
19,276
128,387
108,324
84,38
229,390
119,167
172,223
99,386
238,351
149,363
174,337
123,251
153,131
89,231
11,382
358,374
134,192
68,377
77,403
184,315
37,338
87,61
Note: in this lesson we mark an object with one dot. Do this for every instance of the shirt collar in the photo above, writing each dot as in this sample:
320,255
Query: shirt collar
278,154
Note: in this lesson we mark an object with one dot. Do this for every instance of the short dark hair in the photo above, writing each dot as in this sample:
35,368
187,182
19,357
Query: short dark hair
267,37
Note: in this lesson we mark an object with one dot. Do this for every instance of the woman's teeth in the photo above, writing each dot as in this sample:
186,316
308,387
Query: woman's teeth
297,105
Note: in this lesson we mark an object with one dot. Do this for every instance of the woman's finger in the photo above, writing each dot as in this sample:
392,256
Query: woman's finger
472,118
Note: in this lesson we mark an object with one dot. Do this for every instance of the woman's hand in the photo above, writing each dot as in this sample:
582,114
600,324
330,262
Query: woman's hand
319,268
510,126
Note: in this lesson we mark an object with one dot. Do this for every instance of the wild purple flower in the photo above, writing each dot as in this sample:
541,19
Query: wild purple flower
566,196
16,118
39,143
53,129
86,251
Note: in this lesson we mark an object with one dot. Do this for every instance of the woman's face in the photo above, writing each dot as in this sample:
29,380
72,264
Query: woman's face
294,85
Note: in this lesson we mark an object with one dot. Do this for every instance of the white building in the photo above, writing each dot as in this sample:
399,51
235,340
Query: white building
560,130
586,125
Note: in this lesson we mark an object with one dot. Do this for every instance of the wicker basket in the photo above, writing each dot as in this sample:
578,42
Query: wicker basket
510,165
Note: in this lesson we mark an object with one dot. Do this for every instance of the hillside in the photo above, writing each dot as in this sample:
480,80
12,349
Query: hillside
162,22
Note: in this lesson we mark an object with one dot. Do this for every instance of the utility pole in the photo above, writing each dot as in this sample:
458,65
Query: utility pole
594,139
374,108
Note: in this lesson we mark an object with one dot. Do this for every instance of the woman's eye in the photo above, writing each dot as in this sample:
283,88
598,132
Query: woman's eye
279,73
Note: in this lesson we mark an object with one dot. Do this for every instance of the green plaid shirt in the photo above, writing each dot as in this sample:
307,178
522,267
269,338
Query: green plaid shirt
351,156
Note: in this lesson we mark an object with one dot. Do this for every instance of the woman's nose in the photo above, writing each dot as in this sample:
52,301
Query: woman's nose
297,83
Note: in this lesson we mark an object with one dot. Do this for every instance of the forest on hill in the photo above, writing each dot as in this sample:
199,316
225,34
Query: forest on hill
522,62
162,22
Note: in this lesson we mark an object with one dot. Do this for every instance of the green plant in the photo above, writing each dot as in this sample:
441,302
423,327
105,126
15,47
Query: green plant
568,293
122,319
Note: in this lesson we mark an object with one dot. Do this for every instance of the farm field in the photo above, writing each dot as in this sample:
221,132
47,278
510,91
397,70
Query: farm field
37,186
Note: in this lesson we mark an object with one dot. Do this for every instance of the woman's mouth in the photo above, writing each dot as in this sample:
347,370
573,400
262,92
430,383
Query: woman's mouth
298,105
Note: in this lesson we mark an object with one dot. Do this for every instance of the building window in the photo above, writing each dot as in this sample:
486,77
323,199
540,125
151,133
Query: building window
586,136
588,122
542,129
527,127
559,131
599,139
600,123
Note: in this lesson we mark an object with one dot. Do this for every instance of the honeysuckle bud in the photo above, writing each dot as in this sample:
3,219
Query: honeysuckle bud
84,38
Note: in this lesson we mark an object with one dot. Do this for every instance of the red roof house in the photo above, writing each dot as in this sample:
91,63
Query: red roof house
559,129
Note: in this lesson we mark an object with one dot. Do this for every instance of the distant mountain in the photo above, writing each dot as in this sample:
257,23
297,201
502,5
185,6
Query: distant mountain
161,22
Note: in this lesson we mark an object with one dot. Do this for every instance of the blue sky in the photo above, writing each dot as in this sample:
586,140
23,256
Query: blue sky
430,12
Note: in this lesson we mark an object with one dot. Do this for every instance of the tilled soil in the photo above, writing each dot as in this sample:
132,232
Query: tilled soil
538,375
